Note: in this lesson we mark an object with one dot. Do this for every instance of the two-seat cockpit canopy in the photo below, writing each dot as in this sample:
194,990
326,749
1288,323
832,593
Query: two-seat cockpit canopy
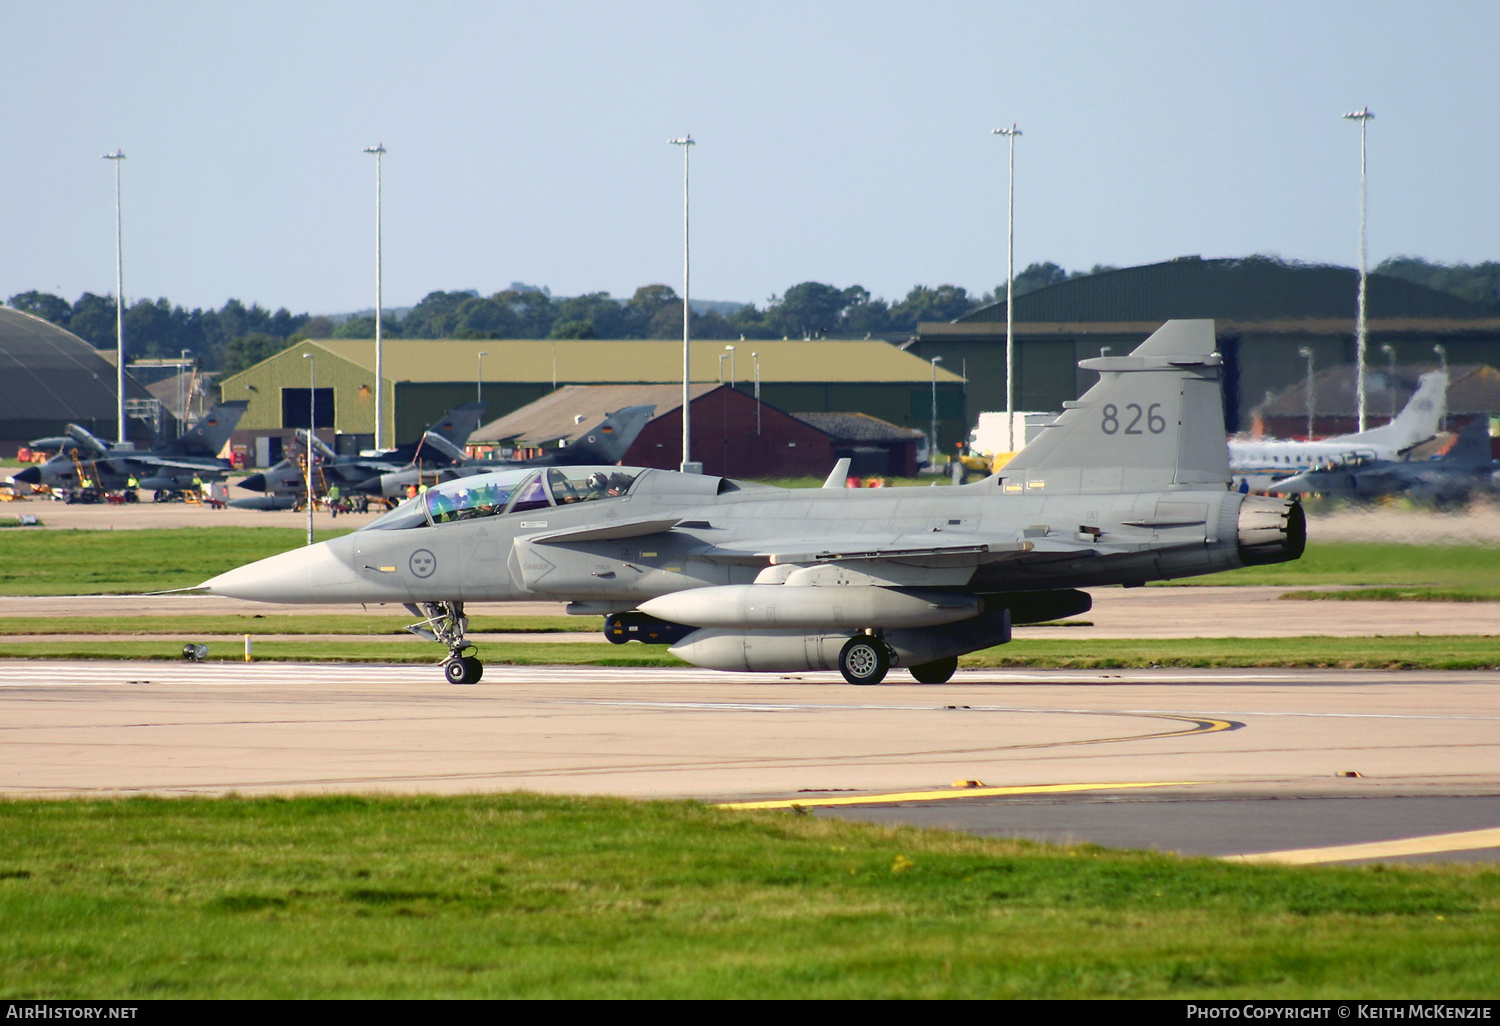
507,492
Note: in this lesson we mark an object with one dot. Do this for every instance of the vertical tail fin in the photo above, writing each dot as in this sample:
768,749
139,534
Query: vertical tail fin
1473,443
1154,419
460,422
212,432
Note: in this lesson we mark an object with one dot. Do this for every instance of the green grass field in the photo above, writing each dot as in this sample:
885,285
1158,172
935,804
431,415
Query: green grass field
529,896
73,562
1404,652
1425,571
124,562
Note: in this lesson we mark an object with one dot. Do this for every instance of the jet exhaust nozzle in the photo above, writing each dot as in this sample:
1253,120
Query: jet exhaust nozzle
1271,530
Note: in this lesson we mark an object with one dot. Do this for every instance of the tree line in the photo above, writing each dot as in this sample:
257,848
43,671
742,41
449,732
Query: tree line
236,336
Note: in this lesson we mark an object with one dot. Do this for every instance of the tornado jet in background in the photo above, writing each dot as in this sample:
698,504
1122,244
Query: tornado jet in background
1265,461
1130,484
1465,470
283,485
85,461
604,443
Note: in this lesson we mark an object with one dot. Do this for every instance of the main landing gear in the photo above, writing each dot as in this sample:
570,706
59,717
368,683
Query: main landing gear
445,622
865,659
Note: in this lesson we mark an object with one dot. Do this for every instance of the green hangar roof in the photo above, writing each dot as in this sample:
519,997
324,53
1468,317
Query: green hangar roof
611,362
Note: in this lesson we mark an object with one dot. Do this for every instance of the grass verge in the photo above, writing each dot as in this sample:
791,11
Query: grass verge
76,562
529,896
1380,652
1397,595
282,624
1469,568
1403,652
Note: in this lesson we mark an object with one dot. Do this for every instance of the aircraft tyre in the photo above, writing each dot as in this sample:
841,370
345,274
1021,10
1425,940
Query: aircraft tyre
463,670
864,660
939,671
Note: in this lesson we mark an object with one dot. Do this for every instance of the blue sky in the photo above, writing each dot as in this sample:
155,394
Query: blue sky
838,142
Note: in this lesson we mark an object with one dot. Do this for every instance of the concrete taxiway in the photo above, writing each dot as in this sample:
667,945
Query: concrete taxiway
1223,762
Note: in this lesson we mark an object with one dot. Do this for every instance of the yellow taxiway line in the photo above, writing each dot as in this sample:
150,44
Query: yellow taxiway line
1466,840
945,795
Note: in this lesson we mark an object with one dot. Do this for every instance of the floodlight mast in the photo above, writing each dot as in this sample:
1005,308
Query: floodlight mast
312,420
378,150
1010,278
116,157
1360,329
1307,354
932,448
686,142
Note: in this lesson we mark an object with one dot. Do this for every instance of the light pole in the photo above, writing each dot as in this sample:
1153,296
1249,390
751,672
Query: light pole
117,157
379,151
732,375
932,449
479,379
1010,278
756,358
1442,355
312,420
1363,117
1390,374
1307,354
686,142
184,391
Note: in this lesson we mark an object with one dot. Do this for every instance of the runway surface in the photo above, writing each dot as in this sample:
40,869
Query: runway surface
1223,762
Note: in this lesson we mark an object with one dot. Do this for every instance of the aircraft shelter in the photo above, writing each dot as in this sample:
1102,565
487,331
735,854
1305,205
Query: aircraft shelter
1264,309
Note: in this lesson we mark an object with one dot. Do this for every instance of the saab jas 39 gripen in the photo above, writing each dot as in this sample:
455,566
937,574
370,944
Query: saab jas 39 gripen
1129,485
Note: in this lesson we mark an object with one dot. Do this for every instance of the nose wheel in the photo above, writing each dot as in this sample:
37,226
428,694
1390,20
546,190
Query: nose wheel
463,670
445,623
864,660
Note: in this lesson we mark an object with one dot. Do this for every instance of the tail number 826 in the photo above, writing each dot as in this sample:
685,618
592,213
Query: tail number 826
1134,415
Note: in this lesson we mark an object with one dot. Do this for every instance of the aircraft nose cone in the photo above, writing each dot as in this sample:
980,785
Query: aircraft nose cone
370,487
310,574
31,475
254,483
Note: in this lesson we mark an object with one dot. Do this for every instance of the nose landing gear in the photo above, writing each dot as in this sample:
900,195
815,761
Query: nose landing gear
445,622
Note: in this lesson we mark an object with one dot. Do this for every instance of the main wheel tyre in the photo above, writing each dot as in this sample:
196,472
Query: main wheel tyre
864,660
939,671
464,670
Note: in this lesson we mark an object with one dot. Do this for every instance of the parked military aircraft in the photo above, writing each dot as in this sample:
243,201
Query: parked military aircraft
605,443
1129,485
1453,477
1266,461
283,485
89,462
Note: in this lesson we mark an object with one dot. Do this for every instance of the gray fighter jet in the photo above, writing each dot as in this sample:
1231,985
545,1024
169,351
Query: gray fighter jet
87,462
283,486
604,443
1129,485
1465,469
